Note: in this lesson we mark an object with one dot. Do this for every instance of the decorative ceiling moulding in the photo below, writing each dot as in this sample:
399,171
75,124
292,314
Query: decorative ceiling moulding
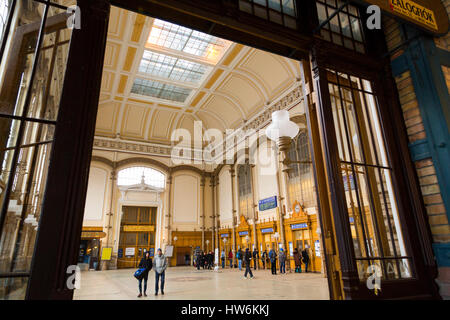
429,15
290,99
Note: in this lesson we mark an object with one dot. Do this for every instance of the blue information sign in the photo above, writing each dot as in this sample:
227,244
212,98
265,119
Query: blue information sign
268,203
152,252
243,233
267,230
224,235
351,220
120,253
299,226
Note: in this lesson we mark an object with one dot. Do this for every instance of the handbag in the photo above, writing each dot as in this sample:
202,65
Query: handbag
139,274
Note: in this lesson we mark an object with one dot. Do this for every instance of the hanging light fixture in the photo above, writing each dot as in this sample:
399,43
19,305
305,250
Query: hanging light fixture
282,130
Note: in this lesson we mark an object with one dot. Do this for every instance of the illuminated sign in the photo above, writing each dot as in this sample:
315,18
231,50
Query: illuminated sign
267,230
243,233
415,11
299,226
224,235
430,15
134,228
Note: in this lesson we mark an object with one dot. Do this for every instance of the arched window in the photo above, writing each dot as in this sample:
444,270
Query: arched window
133,175
301,178
245,189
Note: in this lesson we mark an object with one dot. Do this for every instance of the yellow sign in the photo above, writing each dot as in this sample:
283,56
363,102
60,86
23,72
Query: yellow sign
106,253
134,228
429,15
92,234
415,11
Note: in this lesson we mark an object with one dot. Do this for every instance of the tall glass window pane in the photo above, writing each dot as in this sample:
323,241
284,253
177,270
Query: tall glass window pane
367,178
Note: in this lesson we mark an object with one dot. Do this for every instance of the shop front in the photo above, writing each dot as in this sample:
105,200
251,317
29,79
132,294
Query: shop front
90,248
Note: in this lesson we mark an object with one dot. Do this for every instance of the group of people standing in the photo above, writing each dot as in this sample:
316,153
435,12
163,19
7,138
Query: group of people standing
204,260
159,264
245,258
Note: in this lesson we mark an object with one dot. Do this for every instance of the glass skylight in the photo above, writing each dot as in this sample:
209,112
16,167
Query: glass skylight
164,66
160,90
169,35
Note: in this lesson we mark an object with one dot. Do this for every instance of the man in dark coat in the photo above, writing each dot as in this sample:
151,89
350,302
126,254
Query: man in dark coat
255,257
264,258
305,259
146,262
247,259
273,261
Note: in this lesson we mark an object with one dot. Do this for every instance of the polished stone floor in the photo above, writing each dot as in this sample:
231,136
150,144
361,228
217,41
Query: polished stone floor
189,283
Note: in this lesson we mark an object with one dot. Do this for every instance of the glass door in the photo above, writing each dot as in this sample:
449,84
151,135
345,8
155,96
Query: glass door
34,48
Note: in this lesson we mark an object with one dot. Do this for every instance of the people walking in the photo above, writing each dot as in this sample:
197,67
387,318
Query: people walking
230,258
239,257
222,256
305,258
247,259
160,265
298,263
255,257
282,259
264,259
273,261
146,262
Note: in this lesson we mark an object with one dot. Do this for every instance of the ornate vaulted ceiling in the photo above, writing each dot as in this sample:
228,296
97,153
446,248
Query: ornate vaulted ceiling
159,77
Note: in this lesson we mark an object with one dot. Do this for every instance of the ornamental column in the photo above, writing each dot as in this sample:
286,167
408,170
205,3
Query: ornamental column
202,185
213,228
169,208
252,175
280,206
217,220
233,215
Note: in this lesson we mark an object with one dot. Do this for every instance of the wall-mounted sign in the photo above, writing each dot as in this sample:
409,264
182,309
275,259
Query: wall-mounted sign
224,235
152,252
134,228
92,235
299,226
429,15
120,253
268,203
317,248
267,230
129,252
106,253
243,233
351,219
169,251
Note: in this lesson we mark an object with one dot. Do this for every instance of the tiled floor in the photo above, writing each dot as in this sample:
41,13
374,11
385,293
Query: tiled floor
188,283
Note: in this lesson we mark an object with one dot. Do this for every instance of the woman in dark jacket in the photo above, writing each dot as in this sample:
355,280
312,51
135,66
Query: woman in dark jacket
146,262
305,259
298,263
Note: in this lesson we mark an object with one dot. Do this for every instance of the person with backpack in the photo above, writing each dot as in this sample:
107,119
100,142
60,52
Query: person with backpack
247,259
305,258
273,261
239,257
282,259
146,264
